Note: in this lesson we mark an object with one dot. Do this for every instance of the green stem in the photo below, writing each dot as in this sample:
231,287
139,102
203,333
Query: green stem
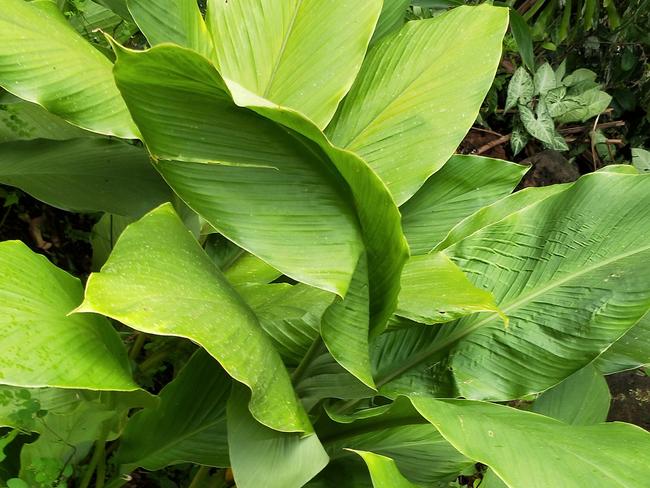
153,361
100,477
312,352
6,214
137,345
98,457
200,476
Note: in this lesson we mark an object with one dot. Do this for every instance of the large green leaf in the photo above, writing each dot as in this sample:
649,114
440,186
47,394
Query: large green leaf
289,314
556,454
344,327
630,351
384,472
189,424
158,280
84,175
24,121
378,215
324,378
435,290
227,179
498,211
409,110
392,17
400,433
302,54
568,289
246,176
462,186
43,62
257,453
581,399
176,21
43,346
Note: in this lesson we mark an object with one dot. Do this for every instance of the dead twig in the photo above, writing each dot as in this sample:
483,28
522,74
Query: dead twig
487,131
582,128
490,145
525,7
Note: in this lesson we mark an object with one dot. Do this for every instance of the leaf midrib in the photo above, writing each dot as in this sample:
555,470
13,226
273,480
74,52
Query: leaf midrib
283,48
526,298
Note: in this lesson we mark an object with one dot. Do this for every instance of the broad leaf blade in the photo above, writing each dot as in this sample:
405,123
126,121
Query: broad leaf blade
43,62
499,211
605,455
245,175
302,54
462,186
630,351
41,344
342,327
176,21
392,17
290,315
581,399
158,280
249,203
189,424
24,121
377,213
84,175
408,110
257,453
578,292
383,471
435,290
400,433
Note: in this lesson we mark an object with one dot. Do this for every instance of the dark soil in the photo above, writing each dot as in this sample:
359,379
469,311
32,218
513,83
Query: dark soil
630,398
64,237
549,168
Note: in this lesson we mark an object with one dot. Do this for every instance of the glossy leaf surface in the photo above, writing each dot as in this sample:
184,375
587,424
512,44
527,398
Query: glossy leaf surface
581,399
44,62
302,54
384,472
435,290
42,345
568,290
245,175
257,453
556,454
408,109
463,185
85,175
176,21
158,280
